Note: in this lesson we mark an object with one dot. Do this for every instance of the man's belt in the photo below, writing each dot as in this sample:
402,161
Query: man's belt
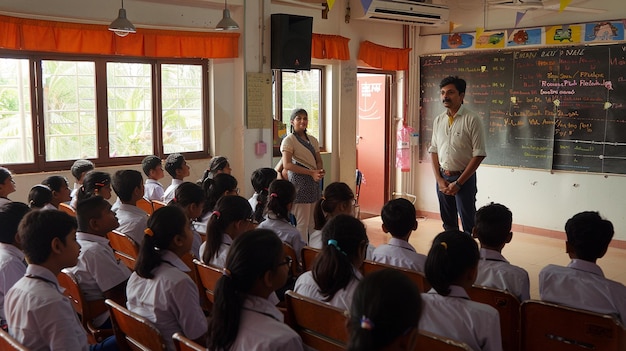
450,173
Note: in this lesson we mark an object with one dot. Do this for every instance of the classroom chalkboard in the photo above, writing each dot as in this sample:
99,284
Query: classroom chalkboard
561,108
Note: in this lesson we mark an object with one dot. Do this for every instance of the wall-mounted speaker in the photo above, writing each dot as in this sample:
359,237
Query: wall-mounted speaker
291,42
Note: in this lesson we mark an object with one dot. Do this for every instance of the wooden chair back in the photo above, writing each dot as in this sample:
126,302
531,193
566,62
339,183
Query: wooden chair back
87,310
433,342
418,278
189,259
209,275
182,343
547,326
8,343
67,209
134,332
145,205
321,326
156,204
509,308
124,247
308,256
295,266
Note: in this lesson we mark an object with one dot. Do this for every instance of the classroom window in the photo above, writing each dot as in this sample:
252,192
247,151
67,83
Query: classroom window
302,89
110,110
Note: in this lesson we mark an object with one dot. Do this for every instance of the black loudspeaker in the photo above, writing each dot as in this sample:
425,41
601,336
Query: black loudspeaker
291,42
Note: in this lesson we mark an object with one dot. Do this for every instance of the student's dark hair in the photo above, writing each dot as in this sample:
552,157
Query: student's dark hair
589,235
217,164
94,181
398,216
334,195
37,230
453,252
386,304
164,224
261,179
88,209
55,182
333,268
493,224
4,174
174,162
187,193
149,163
11,214
459,83
39,195
282,193
125,181
79,167
229,209
250,257
215,189
295,113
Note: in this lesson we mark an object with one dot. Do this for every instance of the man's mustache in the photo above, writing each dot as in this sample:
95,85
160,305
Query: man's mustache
446,100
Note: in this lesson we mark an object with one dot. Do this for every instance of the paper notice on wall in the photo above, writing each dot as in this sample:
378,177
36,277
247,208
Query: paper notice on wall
258,100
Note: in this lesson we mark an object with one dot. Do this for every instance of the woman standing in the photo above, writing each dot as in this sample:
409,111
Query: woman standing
302,159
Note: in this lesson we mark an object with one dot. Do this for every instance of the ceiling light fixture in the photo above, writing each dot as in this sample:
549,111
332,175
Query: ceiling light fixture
226,23
122,26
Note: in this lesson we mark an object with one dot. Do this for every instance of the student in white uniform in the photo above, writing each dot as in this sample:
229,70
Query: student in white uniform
60,190
189,197
99,273
282,195
335,273
398,217
79,169
243,318
152,167
385,313
177,167
214,188
39,315
160,288
7,185
451,268
96,183
39,197
231,218
582,283
492,228
261,180
128,185
337,198
12,260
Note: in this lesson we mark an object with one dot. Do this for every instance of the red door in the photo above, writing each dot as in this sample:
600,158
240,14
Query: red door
372,140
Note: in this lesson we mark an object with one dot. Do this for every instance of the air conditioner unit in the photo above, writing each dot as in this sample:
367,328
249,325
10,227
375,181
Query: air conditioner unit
404,12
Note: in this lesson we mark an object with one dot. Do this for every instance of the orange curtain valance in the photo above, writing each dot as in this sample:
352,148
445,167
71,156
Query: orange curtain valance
50,36
391,59
324,46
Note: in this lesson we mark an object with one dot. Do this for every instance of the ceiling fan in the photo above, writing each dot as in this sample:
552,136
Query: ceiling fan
525,5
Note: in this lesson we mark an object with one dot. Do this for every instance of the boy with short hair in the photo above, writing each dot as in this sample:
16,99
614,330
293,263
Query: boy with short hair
39,315
398,217
177,167
493,229
582,283
12,263
153,169
128,185
100,275
79,169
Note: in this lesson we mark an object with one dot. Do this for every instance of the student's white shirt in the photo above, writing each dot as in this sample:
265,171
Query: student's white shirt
12,269
262,328
457,317
170,300
253,201
218,260
97,269
48,206
169,193
315,239
4,200
286,232
40,316
201,223
582,285
399,253
197,241
496,272
133,221
153,190
306,285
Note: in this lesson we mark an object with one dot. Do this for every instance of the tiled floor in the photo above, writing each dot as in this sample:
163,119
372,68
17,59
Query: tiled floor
532,252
